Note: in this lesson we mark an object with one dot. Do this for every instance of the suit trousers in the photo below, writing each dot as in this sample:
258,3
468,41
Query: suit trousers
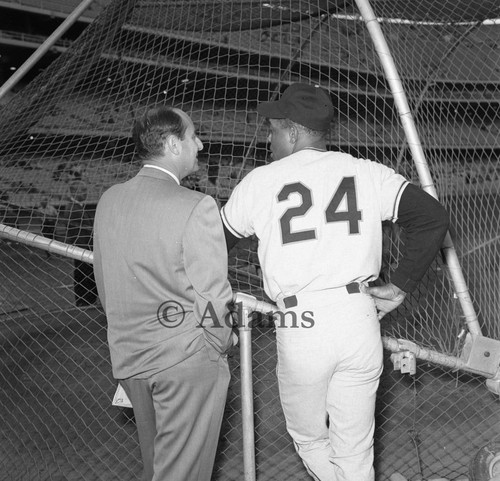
178,414
328,373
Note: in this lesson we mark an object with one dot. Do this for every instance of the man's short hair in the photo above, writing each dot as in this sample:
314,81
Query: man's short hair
287,123
151,130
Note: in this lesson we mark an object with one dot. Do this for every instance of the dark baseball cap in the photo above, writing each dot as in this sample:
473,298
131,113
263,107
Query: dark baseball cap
305,104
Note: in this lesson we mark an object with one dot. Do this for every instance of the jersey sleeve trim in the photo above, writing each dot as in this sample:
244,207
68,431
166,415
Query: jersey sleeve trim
398,199
229,227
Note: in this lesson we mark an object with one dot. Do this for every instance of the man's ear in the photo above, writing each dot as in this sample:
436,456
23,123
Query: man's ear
293,134
173,144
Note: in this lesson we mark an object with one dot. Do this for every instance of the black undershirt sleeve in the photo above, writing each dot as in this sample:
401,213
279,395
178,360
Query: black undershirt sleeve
231,239
424,222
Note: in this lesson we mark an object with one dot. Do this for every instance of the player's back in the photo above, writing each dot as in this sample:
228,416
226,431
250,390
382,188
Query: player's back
318,218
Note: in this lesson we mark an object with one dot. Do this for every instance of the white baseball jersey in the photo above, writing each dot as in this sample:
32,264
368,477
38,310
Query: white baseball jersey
317,216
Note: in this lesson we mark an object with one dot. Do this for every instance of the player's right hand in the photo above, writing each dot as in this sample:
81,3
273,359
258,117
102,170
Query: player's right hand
387,297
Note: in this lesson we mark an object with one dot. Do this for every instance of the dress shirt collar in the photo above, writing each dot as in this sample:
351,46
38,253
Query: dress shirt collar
163,170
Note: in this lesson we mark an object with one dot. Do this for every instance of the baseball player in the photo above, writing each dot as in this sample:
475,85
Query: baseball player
318,218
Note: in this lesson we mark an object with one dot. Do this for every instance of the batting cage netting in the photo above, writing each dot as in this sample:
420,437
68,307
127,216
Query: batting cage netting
416,86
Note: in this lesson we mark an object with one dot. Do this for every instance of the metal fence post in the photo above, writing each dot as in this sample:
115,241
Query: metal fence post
247,413
421,165
44,48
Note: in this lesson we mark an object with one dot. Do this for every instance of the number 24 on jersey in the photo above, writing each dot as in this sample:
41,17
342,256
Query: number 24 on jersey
346,189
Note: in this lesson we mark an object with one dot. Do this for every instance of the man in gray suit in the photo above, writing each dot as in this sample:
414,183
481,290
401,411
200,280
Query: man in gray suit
160,265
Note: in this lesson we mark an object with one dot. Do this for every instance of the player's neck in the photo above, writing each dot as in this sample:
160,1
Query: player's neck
317,145
319,149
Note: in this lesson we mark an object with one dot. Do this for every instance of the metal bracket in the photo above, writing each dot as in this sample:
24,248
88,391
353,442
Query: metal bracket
404,361
493,385
481,355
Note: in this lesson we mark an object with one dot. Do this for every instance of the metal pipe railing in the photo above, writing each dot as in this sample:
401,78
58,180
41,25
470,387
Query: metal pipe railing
44,48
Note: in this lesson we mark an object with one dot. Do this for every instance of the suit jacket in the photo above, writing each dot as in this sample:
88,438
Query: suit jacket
160,264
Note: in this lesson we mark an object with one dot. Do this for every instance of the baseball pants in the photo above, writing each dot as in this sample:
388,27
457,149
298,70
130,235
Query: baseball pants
178,413
328,376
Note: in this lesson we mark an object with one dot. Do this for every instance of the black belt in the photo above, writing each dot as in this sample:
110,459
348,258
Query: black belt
291,301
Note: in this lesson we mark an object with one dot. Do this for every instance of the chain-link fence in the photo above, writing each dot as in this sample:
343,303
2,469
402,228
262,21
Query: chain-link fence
216,60
58,388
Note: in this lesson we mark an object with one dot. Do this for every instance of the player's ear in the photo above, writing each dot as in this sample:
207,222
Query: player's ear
172,143
293,134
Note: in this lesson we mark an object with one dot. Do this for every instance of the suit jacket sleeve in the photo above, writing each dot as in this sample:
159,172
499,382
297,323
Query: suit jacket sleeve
97,264
205,261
